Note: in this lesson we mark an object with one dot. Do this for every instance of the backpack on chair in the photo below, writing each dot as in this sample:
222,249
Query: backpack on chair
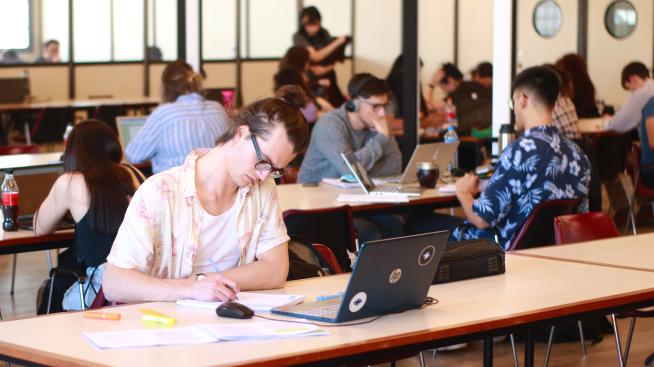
305,261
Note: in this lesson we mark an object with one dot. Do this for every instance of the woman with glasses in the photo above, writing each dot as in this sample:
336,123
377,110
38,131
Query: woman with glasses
213,227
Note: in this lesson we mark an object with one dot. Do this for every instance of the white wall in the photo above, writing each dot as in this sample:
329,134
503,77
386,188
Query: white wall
377,35
532,49
475,33
119,81
607,55
435,35
46,83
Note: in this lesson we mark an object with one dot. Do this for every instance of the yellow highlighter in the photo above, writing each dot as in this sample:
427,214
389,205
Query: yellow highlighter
155,317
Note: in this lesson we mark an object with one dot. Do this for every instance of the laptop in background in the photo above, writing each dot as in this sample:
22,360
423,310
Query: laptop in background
129,127
13,90
390,276
441,153
369,186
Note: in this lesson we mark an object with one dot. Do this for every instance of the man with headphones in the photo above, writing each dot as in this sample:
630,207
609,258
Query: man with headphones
358,126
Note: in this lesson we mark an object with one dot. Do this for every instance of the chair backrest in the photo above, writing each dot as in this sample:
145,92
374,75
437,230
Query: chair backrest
51,124
328,254
538,230
18,149
108,114
332,227
583,227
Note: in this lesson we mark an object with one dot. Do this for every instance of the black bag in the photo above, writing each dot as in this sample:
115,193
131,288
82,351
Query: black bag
305,261
470,259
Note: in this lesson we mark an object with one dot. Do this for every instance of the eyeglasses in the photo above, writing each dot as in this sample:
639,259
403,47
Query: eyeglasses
265,165
375,106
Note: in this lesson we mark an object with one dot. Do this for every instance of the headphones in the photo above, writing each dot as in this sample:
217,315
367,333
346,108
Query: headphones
353,90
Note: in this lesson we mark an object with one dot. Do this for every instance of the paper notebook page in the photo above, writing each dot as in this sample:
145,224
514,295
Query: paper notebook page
255,301
262,330
149,337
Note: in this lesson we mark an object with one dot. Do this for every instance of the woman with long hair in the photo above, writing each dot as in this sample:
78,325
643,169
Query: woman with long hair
185,121
95,188
583,89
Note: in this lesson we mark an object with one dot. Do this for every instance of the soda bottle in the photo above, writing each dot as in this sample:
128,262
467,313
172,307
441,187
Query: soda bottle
450,111
10,202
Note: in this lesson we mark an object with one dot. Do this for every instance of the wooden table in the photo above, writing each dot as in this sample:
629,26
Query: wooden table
532,292
29,161
297,196
79,104
26,241
631,252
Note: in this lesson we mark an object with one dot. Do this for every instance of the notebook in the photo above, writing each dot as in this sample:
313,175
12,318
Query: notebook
390,276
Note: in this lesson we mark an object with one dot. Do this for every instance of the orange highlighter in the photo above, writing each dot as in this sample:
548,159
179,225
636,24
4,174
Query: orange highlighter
101,315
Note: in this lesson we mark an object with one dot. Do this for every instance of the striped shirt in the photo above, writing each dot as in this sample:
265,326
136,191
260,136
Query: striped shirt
175,129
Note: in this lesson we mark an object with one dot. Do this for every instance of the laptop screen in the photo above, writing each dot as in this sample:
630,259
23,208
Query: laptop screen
129,127
359,171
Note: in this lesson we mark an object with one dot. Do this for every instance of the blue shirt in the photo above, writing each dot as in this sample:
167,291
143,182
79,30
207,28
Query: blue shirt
539,166
646,154
175,129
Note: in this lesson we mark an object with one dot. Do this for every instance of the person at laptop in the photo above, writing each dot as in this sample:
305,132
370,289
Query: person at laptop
541,165
95,189
358,126
185,121
212,227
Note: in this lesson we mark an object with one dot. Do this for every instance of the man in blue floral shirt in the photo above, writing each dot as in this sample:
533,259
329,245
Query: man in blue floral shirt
539,166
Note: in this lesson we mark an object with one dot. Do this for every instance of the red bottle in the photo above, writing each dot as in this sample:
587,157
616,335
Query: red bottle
10,203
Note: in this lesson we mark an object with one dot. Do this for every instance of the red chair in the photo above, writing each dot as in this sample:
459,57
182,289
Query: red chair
583,227
18,149
640,189
538,229
328,254
331,227
588,227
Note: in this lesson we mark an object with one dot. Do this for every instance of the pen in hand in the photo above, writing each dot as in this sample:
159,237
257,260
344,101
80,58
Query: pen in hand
215,268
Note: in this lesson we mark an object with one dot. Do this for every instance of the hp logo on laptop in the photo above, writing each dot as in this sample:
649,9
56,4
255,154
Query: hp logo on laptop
426,255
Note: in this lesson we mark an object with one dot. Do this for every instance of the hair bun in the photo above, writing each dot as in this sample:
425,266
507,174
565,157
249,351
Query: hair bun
293,95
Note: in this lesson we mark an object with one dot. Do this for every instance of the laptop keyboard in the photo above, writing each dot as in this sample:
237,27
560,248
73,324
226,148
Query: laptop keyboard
328,312
389,188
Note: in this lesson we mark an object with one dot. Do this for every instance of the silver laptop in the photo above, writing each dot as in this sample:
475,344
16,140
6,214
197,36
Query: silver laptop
390,276
129,127
441,153
369,186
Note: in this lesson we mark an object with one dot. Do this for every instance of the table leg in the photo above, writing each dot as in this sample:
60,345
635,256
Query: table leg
488,351
529,348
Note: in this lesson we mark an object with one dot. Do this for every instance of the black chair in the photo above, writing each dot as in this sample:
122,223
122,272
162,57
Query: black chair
108,114
331,227
50,125
538,230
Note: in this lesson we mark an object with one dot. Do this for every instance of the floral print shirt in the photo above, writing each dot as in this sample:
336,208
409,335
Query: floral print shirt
539,166
160,234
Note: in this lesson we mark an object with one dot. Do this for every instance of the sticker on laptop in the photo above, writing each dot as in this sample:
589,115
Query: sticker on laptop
358,301
426,255
395,276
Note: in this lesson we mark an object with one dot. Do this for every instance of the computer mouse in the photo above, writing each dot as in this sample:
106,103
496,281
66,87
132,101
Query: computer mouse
234,310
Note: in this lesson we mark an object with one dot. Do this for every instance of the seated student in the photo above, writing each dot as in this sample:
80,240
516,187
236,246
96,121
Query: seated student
395,81
297,58
635,79
564,114
212,227
540,165
185,121
473,101
50,53
483,74
359,126
314,106
95,188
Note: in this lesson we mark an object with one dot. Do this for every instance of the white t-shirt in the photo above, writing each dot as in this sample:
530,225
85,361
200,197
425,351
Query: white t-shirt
218,242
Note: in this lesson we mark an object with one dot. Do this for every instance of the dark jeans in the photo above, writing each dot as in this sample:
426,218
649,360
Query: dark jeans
65,260
428,221
372,227
648,178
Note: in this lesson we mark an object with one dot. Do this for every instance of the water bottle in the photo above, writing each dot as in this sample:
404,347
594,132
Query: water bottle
452,138
10,202
69,129
450,112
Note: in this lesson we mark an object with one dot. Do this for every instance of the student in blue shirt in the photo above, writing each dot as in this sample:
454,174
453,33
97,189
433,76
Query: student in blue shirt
184,122
541,165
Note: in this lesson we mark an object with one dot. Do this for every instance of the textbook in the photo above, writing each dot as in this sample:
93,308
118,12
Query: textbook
256,301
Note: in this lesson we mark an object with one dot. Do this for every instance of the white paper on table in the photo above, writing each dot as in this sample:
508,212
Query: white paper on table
149,337
255,301
262,330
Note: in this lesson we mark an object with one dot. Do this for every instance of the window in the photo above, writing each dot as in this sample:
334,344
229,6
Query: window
108,30
162,30
54,25
15,25
218,29
271,27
